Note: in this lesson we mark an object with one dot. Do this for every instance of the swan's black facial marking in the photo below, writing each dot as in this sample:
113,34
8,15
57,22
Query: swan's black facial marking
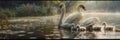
82,6
62,5
104,24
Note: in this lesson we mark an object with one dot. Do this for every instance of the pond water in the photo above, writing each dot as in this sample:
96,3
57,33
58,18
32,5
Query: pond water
32,27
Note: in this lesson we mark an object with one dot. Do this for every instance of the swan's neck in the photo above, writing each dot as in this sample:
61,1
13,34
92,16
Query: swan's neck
78,10
62,16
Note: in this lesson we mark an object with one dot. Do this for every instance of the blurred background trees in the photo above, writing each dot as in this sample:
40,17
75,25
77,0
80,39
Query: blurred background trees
48,8
35,8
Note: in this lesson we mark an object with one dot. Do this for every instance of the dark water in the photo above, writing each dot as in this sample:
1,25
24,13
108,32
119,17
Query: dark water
21,34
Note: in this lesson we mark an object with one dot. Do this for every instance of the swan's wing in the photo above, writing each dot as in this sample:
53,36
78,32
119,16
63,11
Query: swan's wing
90,21
73,17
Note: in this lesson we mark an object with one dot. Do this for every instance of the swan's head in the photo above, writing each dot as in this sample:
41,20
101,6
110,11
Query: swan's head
81,6
61,6
104,23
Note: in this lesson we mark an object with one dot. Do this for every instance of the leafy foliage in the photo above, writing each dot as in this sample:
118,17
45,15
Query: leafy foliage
7,13
37,8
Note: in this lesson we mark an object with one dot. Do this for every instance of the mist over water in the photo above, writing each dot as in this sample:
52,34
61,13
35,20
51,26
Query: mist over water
103,6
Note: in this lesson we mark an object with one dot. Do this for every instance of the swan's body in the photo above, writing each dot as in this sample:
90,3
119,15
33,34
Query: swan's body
108,28
90,21
98,28
73,18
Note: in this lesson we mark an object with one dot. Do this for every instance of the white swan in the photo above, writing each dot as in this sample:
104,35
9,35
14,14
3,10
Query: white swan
72,21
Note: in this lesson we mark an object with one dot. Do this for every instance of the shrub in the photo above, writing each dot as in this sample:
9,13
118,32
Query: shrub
52,11
7,13
26,10
34,10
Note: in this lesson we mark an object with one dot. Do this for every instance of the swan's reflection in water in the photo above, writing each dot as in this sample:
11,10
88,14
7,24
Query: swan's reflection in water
85,35
98,35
